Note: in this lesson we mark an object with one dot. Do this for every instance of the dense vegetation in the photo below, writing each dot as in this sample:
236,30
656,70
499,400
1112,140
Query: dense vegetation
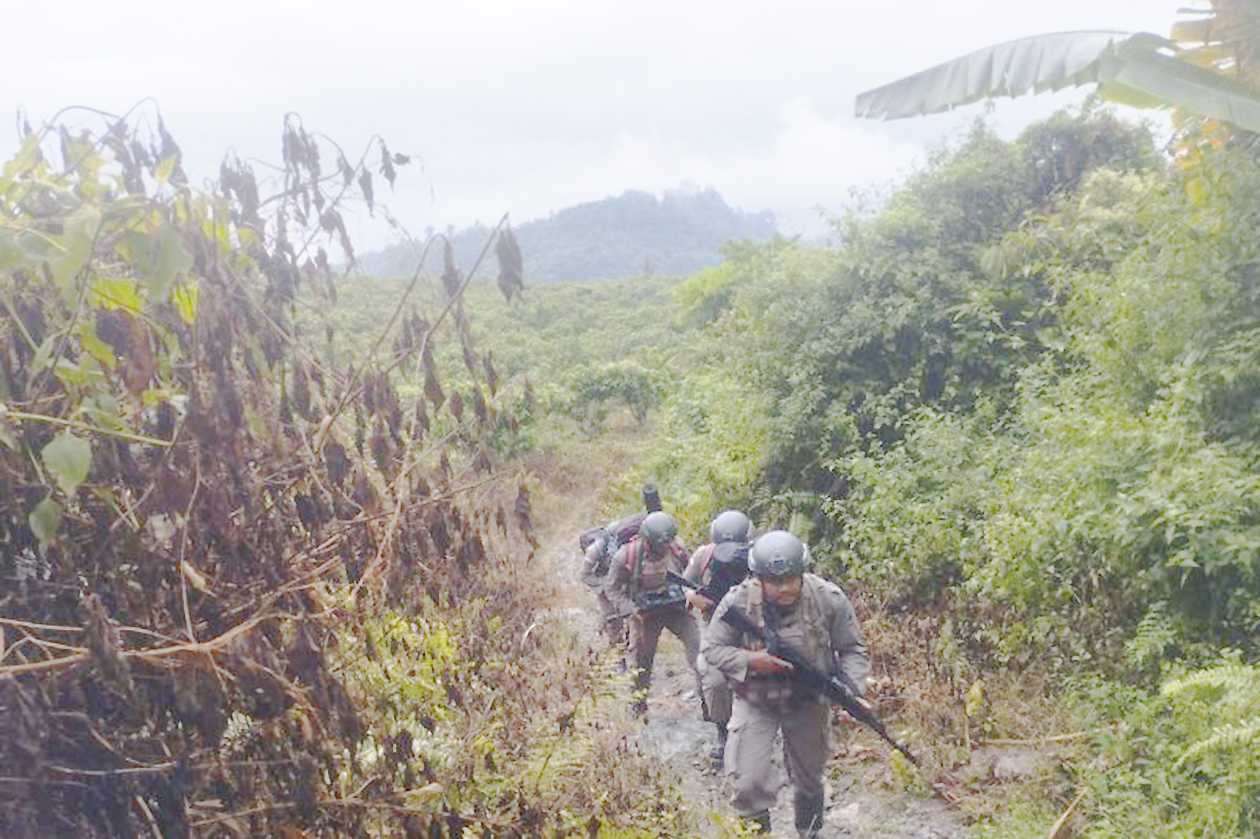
618,237
259,583
1021,397
1014,412
267,534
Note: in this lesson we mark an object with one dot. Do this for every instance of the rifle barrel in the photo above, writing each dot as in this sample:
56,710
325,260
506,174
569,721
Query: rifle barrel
831,687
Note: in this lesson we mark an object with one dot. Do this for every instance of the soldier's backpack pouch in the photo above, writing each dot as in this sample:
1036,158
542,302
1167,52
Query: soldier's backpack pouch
589,536
626,529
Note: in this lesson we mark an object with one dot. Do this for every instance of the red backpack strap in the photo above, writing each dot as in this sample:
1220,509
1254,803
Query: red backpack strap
634,564
707,559
632,553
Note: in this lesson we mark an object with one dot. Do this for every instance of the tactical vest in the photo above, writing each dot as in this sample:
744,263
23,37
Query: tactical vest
647,573
804,629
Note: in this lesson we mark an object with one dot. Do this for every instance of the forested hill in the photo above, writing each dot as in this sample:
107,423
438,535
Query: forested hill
620,236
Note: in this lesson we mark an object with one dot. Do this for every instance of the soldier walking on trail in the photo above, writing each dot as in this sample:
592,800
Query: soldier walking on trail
716,568
639,583
598,545
814,617
596,563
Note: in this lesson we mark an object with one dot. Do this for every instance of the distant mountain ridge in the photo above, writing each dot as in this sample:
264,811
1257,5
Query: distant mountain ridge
621,236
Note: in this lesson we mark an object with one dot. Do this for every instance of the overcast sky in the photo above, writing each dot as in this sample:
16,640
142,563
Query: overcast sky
529,107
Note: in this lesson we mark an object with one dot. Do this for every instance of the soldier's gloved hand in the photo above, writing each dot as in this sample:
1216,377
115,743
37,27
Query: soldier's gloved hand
698,601
762,662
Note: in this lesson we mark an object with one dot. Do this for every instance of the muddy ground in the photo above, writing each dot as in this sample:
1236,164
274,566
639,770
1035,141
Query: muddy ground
860,801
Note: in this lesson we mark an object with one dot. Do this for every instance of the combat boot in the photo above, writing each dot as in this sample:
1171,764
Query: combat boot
718,752
759,822
809,815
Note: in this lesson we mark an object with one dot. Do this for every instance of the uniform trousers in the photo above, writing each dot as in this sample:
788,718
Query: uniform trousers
645,632
614,629
806,746
717,693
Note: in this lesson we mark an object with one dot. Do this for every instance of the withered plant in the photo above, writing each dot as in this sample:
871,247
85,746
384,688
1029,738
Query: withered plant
197,508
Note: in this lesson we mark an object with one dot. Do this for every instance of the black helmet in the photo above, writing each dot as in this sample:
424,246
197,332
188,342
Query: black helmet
658,529
777,554
730,526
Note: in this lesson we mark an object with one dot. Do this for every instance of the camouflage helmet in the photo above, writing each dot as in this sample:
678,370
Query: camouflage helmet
777,554
658,529
730,526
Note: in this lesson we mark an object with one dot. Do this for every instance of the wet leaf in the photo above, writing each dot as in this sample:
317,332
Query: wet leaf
347,171
44,520
80,234
165,169
68,459
432,389
163,258
387,165
336,462
511,265
365,186
492,376
96,348
185,299
117,293
139,364
170,150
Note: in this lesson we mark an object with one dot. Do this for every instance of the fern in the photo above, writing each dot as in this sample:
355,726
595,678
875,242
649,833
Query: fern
1229,694
1235,681
1236,738
1155,634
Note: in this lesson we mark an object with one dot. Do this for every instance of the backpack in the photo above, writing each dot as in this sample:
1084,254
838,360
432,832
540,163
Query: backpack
586,537
618,533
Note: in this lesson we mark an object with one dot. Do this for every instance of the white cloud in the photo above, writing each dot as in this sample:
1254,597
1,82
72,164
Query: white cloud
531,107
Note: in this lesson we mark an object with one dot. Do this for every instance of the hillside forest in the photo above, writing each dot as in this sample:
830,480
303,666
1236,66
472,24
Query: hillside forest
280,540
619,237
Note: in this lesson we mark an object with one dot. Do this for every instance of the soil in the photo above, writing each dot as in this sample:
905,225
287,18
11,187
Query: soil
860,801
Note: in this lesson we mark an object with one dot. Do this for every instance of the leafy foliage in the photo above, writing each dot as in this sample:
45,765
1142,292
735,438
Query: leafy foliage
1132,68
827,352
210,524
624,382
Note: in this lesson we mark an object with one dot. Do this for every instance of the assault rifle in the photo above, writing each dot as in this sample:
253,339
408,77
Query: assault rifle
651,601
726,574
834,688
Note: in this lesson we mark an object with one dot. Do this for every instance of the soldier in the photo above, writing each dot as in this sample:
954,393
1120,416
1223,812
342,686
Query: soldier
813,616
717,567
596,564
639,584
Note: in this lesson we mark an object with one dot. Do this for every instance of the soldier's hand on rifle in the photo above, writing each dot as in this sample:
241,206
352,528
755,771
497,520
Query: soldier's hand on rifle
762,662
698,601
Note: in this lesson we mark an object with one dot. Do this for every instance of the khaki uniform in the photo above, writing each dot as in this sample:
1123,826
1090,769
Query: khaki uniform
717,694
635,571
821,625
595,576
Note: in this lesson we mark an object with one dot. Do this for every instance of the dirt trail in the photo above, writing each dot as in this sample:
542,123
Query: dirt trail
858,803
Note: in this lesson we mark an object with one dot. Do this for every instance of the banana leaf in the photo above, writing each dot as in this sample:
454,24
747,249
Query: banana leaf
1137,69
